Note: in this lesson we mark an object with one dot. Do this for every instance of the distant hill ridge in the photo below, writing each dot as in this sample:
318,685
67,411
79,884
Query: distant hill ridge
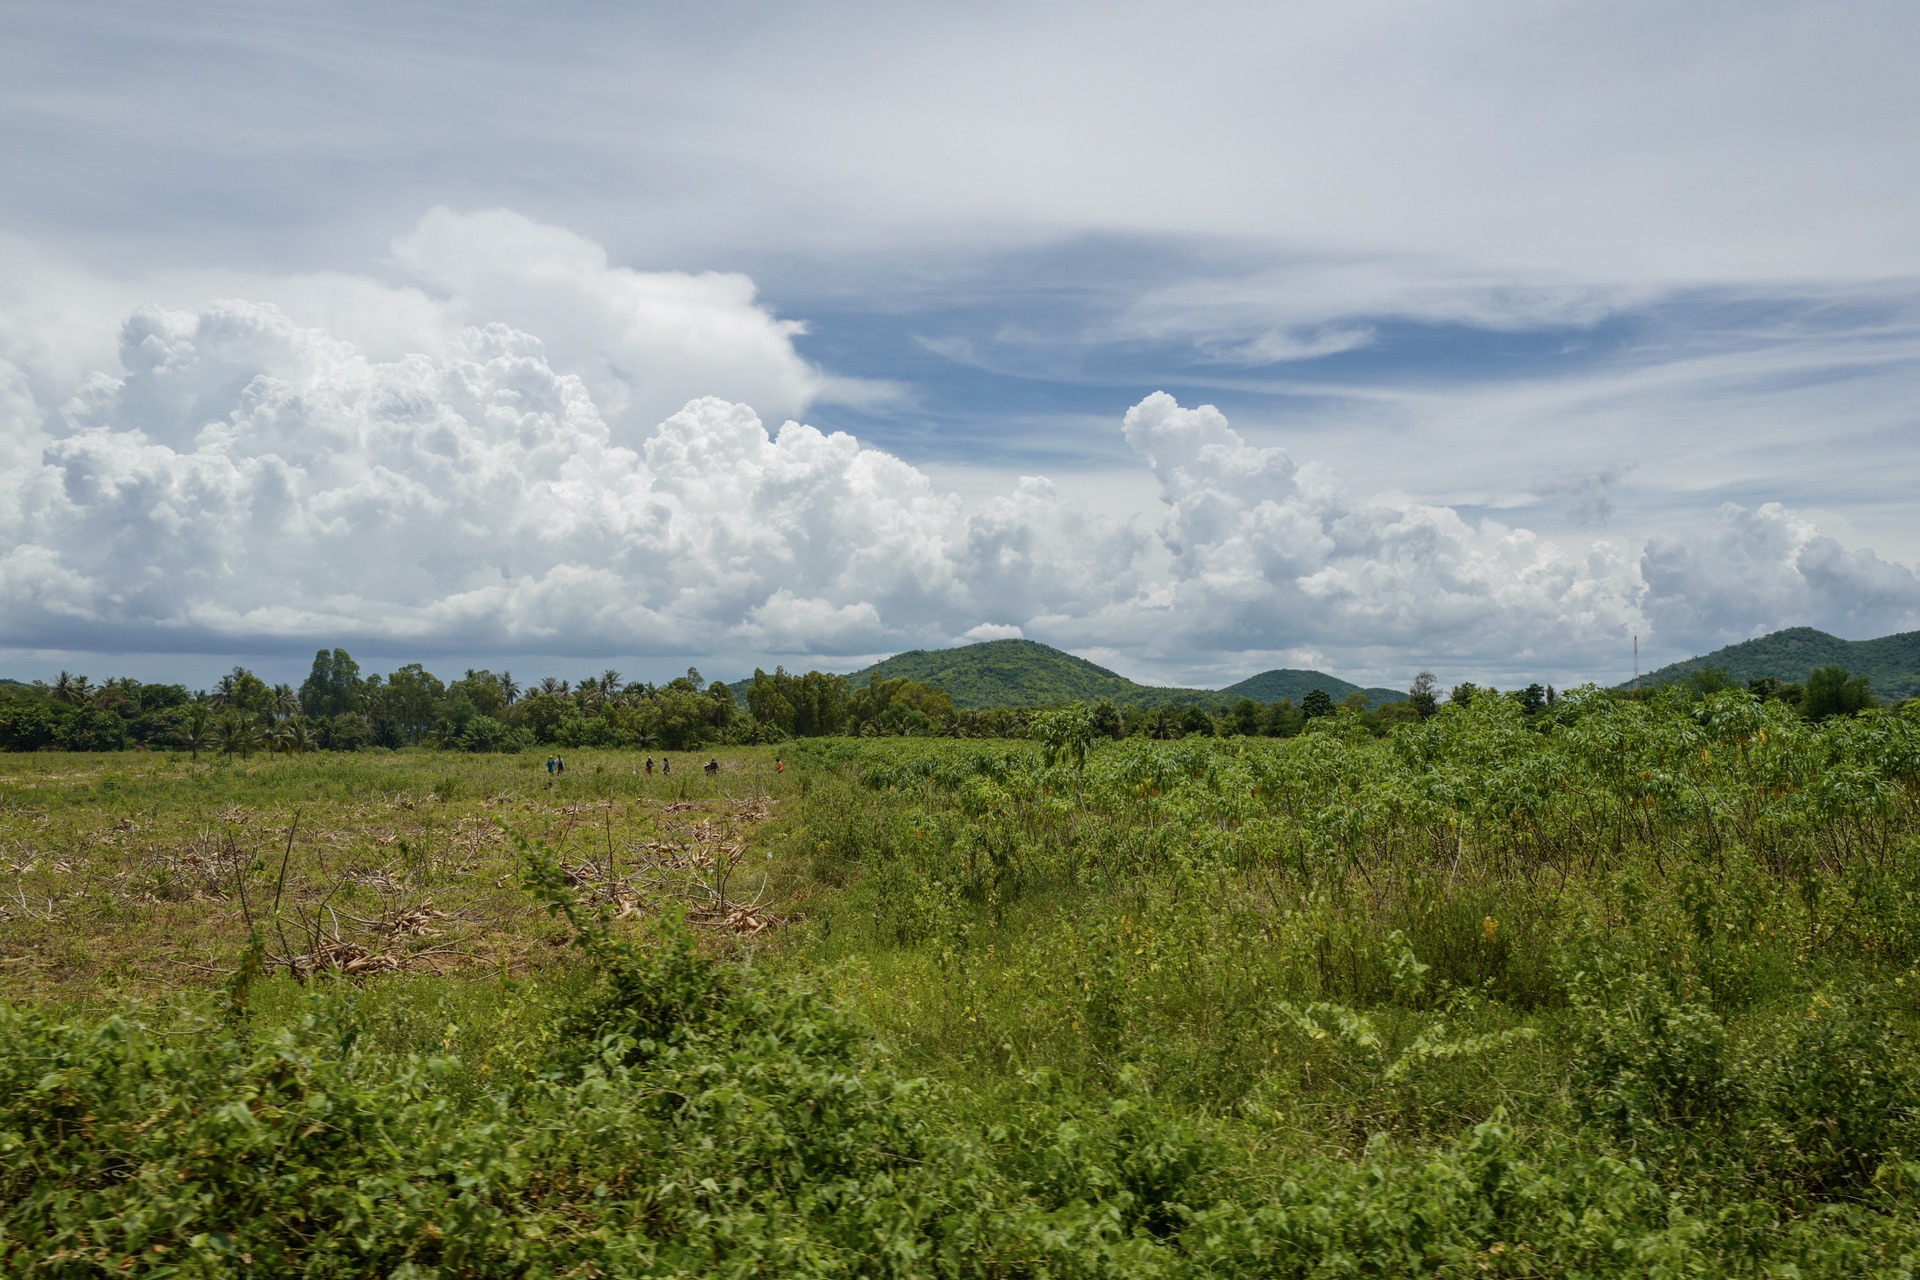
1026,673
1891,662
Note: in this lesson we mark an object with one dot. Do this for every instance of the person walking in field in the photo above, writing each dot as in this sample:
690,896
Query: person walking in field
712,767
649,766
666,766
779,765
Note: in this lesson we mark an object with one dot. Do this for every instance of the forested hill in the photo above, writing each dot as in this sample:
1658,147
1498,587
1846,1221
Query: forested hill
1891,662
1026,673
1022,673
1288,682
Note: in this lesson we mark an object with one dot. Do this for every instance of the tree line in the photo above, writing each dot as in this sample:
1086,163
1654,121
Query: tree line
337,708
1829,691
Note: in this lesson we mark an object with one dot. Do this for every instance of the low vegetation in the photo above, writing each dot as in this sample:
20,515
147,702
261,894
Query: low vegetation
1611,986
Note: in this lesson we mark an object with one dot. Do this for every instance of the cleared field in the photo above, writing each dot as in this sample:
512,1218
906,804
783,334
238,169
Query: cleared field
134,874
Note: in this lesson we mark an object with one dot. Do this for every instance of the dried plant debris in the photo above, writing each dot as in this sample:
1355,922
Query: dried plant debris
348,957
381,880
193,875
742,917
355,959
411,922
693,864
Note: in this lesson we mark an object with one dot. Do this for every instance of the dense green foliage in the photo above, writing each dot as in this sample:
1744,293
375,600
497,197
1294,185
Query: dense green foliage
76,716
1891,663
1616,987
819,705
338,709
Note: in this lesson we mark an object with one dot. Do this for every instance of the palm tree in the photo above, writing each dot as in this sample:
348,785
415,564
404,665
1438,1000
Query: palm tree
193,735
508,689
70,689
238,736
610,682
285,700
549,684
290,736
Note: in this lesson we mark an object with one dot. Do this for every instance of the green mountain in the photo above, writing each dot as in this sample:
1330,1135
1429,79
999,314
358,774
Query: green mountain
1288,682
1022,673
1891,662
1025,673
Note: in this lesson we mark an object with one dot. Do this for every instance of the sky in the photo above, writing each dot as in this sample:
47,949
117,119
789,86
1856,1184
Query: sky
1197,339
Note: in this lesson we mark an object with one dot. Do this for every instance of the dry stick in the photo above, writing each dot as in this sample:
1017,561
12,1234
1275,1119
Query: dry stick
281,883
339,882
608,874
240,882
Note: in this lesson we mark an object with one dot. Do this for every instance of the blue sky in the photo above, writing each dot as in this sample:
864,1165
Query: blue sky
1572,322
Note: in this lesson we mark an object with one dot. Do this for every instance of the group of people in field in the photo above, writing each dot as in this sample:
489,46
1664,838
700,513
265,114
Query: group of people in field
557,766
710,768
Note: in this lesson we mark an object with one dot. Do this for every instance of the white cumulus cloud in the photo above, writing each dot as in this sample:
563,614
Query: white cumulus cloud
1268,554
245,482
989,631
246,479
644,342
1756,570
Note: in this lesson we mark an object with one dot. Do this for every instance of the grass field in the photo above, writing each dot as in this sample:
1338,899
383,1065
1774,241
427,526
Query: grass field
1627,988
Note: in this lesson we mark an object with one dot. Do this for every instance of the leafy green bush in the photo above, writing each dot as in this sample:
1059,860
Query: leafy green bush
1839,1098
1815,1104
30,725
1649,1066
484,733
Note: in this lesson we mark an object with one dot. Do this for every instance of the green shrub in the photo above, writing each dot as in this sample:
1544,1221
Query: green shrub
30,724
1837,1100
1650,1066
